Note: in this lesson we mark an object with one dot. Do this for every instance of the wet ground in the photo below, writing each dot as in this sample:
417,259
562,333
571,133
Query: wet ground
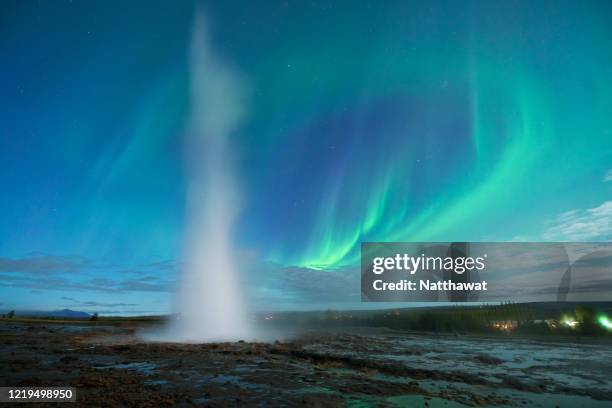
111,367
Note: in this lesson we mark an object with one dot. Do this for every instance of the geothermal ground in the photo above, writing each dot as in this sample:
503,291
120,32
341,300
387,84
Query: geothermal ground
110,366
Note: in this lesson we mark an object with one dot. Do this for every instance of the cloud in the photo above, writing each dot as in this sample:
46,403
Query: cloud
78,303
593,224
94,285
599,289
608,176
167,267
39,272
141,285
272,284
44,264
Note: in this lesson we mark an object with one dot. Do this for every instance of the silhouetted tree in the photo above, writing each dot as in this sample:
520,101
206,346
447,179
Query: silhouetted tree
94,317
11,314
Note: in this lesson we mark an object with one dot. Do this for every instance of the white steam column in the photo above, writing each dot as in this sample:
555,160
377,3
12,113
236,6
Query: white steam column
210,305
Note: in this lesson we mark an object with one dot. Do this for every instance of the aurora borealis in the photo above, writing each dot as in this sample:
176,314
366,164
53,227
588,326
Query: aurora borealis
401,121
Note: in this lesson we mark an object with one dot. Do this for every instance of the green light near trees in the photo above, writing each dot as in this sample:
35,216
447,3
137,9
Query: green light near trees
605,322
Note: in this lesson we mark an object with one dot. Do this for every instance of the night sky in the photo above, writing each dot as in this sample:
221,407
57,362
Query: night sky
365,121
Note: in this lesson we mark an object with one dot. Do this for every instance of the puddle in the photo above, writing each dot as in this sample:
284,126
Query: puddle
144,367
419,401
157,382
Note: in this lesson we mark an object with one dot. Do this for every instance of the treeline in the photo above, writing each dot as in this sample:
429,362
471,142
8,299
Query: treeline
510,317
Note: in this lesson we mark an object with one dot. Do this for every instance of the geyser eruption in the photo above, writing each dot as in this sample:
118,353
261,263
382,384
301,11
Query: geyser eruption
210,306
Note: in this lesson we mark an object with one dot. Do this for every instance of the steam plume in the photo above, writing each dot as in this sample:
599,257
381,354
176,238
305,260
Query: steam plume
209,301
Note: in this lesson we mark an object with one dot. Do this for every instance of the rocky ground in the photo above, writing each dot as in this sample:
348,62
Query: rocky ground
110,366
